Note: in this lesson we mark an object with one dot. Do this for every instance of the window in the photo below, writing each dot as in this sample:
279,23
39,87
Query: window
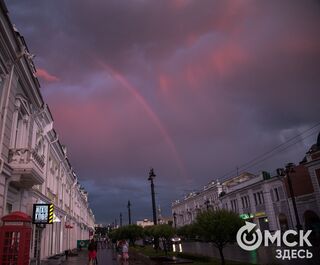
245,201
234,205
8,208
262,197
258,198
20,124
276,192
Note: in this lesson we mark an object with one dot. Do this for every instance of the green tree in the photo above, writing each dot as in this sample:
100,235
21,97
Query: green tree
131,232
164,231
102,231
219,227
188,231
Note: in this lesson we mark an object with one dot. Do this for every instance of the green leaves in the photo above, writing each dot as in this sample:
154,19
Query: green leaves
131,232
219,227
157,231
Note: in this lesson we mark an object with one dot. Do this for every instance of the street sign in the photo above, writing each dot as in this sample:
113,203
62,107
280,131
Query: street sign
42,214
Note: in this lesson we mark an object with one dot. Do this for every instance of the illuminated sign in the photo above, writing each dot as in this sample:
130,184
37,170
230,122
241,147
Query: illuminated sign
42,214
260,214
246,216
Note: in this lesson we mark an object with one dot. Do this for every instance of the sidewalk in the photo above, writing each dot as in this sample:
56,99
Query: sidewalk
104,257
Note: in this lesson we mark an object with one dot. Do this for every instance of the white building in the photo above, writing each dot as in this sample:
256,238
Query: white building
263,199
34,167
145,223
186,210
255,199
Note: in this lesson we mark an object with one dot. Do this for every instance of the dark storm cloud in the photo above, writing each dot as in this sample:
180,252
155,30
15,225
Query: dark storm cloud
129,82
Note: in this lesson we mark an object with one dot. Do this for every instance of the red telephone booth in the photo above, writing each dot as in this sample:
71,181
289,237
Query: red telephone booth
15,236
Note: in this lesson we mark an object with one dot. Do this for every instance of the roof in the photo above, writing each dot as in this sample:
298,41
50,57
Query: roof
16,217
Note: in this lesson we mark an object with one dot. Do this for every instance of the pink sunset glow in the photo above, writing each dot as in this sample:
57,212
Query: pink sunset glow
191,88
43,74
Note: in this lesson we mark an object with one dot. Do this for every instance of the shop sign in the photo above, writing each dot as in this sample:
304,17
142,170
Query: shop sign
260,214
42,214
246,216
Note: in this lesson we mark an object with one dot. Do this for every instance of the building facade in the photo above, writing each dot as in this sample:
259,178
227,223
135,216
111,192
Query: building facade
263,199
34,166
259,199
145,222
186,210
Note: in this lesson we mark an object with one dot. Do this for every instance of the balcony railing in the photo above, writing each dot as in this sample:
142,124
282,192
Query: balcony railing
27,166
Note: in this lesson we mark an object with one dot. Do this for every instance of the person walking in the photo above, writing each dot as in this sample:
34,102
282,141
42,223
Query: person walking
125,252
92,252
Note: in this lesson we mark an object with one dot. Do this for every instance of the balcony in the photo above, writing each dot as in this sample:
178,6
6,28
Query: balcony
28,167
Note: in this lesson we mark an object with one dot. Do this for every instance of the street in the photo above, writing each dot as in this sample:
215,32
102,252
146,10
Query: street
105,257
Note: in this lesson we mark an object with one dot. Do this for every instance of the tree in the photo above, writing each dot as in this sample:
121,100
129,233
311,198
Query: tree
219,227
164,231
188,231
131,232
102,231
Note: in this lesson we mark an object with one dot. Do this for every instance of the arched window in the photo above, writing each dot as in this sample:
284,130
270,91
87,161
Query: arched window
20,124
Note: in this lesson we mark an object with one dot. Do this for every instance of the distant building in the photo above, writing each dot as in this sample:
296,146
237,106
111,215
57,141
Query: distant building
263,199
166,220
145,223
186,210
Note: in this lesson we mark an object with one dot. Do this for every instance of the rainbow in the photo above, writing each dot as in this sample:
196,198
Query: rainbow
155,119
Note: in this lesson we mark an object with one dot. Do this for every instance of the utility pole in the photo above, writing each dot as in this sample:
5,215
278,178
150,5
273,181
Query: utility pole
129,212
151,177
289,169
286,172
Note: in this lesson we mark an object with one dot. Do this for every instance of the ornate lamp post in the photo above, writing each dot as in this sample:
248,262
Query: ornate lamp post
151,177
286,172
129,212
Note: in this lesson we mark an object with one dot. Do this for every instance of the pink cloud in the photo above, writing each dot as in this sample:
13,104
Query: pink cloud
43,74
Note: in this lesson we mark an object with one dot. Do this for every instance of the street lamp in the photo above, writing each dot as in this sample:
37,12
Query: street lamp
120,219
151,177
129,212
175,219
286,172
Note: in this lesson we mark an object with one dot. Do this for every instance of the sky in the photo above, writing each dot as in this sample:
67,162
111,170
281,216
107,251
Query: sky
191,88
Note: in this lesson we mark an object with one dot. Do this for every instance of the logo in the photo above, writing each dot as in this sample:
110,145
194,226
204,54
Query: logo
247,231
249,238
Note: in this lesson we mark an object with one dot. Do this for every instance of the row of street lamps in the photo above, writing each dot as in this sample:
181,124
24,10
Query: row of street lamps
286,172
154,213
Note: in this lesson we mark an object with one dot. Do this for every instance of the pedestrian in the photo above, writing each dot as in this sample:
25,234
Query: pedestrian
125,251
92,248
119,249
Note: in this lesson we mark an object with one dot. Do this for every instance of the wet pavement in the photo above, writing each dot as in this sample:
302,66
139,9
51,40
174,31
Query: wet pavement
233,252
105,256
